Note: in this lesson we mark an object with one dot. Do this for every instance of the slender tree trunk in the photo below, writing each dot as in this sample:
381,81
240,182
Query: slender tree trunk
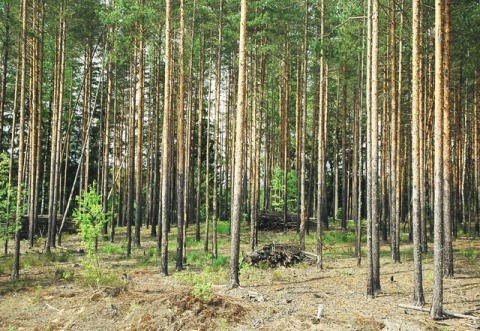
373,265
344,150
207,162
418,296
303,211
199,139
233,280
106,138
21,138
394,207
139,151
5,55
321,141
181,142
166,142
447,161
438,248
189,175
218,81
131,150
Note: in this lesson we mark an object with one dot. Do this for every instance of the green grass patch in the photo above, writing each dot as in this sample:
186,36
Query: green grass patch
470,254
6,264
110,248
223,227
43,260
102,277
220,262
338,237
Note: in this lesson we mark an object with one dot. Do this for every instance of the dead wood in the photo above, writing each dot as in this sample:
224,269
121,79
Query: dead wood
274,221
274,255
445,312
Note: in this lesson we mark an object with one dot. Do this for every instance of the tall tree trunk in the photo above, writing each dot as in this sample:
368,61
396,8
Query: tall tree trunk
181,142
21,138
344,149
106,137
418,296
56,131
201,85
447,161
321,141
394,199
437,300
5,55
373,266
166,142
218,81
233,279
131,150
207,161
189,175
139,151
303,211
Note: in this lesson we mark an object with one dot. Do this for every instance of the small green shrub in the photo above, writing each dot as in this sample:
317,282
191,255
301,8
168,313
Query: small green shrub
220,262
193,257
202,289
110,248
338,237
6,264
276,275
61,274
470,254
107,277
223,227
90,219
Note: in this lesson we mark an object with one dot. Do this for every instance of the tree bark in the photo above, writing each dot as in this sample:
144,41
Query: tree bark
233,280
437,300
181,142
166,142
418,296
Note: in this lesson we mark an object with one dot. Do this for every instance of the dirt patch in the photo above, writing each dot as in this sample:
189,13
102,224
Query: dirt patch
268,299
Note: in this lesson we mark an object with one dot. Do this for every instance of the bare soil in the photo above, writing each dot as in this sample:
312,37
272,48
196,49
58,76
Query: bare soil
269,299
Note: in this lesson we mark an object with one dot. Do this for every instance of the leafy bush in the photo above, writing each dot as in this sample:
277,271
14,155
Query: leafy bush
109,248
7,200
90,219
220,262
277,187
202,289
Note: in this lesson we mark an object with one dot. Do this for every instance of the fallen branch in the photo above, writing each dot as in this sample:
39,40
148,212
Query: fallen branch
52,307
311,255
445,312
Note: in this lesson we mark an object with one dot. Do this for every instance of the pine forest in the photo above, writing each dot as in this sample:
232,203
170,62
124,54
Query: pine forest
234,165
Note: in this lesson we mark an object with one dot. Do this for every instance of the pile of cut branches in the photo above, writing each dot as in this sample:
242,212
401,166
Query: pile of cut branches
274,255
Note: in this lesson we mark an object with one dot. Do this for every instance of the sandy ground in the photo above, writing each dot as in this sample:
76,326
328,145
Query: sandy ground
280,299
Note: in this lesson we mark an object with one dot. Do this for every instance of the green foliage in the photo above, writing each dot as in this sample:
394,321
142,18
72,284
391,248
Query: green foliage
220,262
105,277
90,220
276,275
339,214
277,187
338,237
470,254
110,248
223,227
61,274
202,289
201,283
7,200
42,260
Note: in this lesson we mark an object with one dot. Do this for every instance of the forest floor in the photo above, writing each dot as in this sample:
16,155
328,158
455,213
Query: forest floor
54,293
